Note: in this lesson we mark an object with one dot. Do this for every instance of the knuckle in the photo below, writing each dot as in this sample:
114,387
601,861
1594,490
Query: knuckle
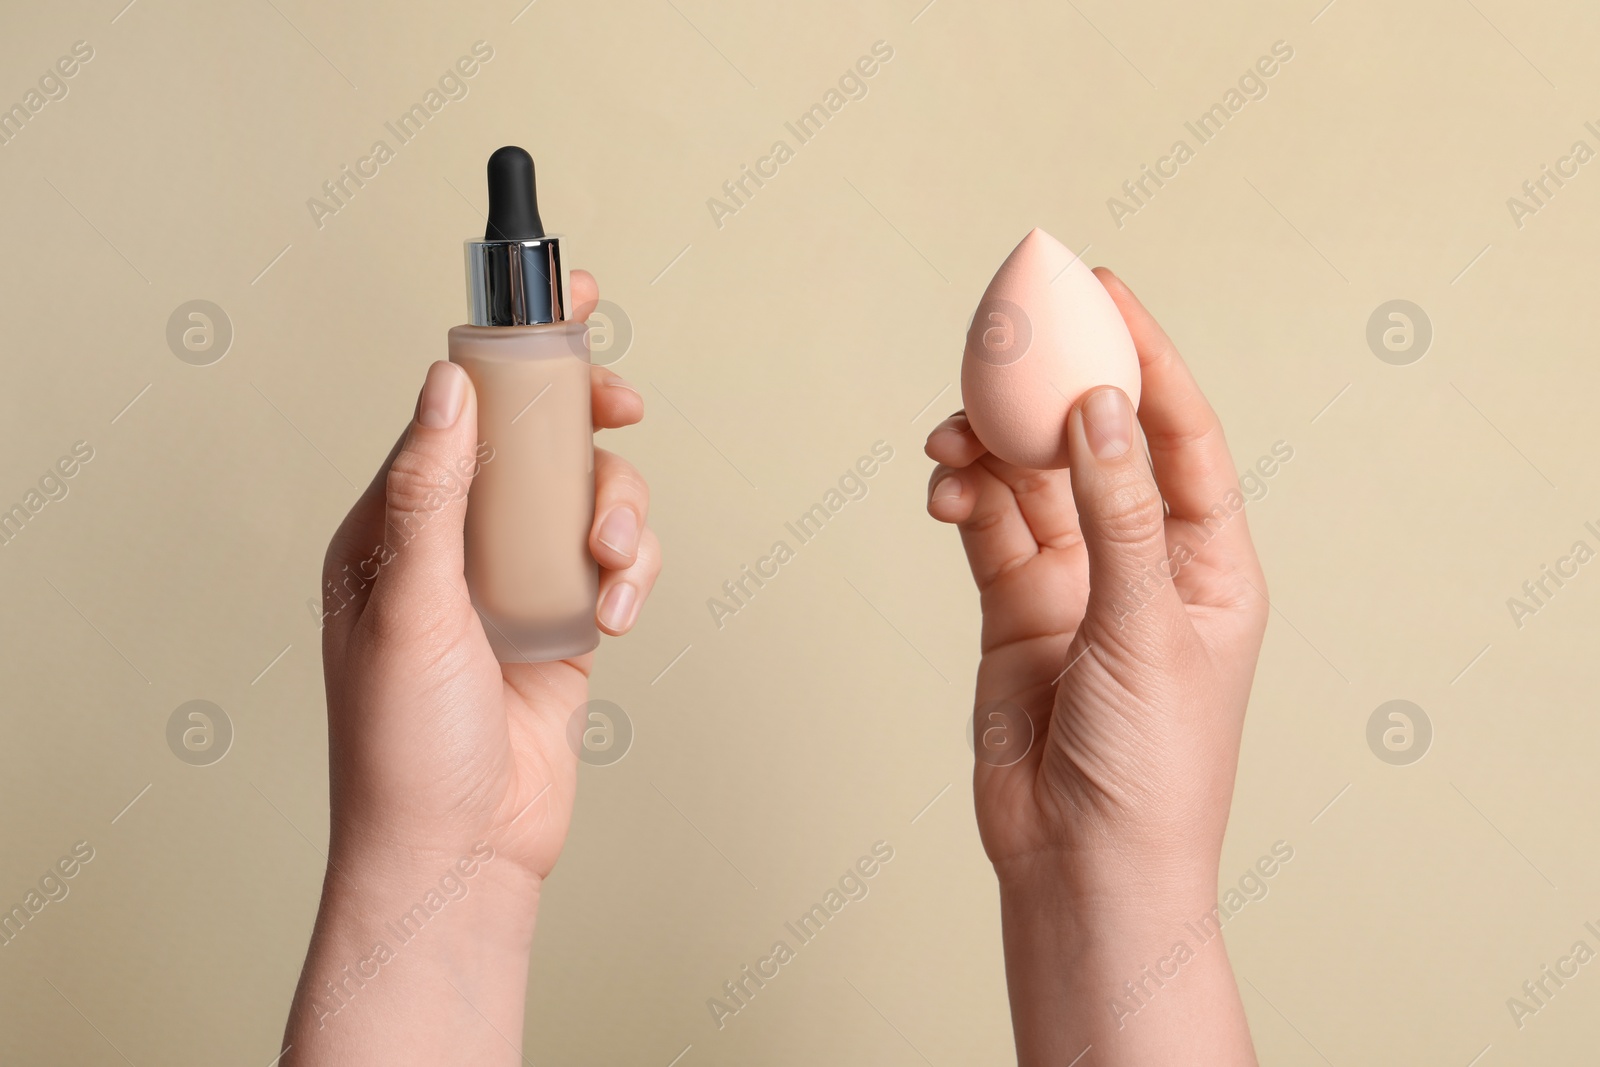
649,561
1032,483
983,521
617,476
418,484
1005,565
626,483
1164,354
1202,433
1129,511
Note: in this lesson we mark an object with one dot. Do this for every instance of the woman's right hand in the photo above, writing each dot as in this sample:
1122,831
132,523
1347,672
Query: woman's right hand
1123,611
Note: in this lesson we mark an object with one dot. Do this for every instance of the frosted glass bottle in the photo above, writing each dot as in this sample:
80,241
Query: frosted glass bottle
531,507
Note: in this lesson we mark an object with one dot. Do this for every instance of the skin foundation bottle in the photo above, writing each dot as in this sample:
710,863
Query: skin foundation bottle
528,565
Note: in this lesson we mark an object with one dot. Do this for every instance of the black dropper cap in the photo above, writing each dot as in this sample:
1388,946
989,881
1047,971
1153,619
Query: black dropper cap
513,201
514,273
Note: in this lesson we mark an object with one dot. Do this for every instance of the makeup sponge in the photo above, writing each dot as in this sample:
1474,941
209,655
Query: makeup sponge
1045,333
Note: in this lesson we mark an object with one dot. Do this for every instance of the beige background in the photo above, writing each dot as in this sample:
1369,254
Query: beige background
825,315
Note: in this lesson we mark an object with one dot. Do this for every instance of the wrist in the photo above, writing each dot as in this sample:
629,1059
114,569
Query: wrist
1110,880
404,893
1055,909
1121,955
400,930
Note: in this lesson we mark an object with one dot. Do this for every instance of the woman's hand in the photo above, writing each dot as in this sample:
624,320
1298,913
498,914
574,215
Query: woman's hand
442,760
1123,610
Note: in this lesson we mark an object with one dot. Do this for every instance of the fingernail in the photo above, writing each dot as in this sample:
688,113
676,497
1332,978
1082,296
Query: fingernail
949,488
616,610
619,382
442,394
620,532
1107,423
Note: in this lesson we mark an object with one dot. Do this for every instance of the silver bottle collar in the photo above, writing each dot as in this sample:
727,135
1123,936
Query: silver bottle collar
515,283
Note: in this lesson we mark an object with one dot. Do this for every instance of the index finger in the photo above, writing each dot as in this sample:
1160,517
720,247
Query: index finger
584,295
615,402
1188,452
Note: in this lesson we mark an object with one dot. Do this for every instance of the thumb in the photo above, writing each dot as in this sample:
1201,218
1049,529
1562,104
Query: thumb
425,502
1122,518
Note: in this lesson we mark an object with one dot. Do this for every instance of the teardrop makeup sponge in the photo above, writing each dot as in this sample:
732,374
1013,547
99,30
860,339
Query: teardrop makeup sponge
1045,333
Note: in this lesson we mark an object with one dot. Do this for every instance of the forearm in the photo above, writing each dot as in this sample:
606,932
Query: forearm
416,961
1136,971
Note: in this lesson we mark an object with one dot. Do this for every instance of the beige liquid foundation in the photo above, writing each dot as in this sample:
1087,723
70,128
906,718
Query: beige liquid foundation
528,565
